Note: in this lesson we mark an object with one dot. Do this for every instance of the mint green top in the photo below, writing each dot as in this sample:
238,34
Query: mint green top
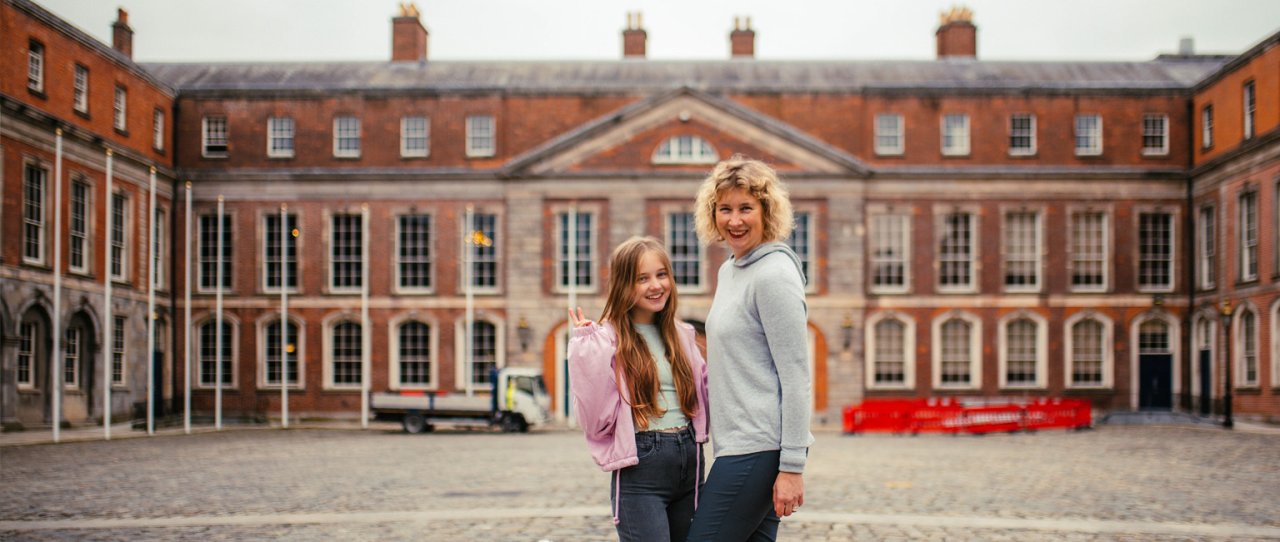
667,398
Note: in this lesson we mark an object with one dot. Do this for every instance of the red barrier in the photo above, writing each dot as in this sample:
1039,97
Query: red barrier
949,415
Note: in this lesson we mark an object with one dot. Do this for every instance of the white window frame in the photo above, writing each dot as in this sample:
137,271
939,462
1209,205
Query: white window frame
460,358
1249,107
904,218
560,214
1106,345
1107,245
410,133
1149,132
1015,132
1240,348
71,341
1247,234
331,324
120,109
160,248
1172,260
1092,135
228,248
908,351
281,137
1207,247
1037,250
265,237
118,328
809,256
975,350
331,263
497,238
85,239
1042,350
1206,126
266,341
347,133
940,231
211,319
42,224
433,341
685,149
691,240
126,227
955,134
215,136
482,136
35,66
1275,344
80,89
884,132
31,351
157,129
432,256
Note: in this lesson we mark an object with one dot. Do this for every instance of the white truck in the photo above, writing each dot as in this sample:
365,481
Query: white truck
517,400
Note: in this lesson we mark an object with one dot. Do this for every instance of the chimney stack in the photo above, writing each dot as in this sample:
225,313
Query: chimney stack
634,37
742,41
1187,46
121,34
408,36
957,36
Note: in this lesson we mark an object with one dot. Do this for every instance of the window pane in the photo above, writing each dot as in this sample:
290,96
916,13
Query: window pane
955,251
1088,250
1020,360
582,257
1155,245
415,354
1086,353
273,353
890,364
347,251
347,348
889,240
955,352
484,251
1022,250
414,254
686,253
271,244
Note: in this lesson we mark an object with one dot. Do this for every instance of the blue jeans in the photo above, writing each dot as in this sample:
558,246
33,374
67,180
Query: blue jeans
657,497
737,500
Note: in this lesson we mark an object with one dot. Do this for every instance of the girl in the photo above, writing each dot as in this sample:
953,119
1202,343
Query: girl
639,390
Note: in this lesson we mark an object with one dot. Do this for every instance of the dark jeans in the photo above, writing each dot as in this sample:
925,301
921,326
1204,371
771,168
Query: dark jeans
657,497
737,501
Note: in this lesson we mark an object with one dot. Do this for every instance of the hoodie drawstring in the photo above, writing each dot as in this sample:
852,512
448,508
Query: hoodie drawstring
617,494
697,469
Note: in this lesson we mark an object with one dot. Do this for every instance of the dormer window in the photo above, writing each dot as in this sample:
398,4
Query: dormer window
685,149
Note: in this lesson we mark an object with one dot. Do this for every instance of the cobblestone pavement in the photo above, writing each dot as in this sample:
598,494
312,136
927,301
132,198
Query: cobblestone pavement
1112,483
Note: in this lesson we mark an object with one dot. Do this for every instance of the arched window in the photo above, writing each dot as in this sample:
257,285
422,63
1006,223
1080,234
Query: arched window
1087,346
956,351
1021,352
890,358
1248,349
209,351
685,149
415,354
346,354
484,349
272,357
1153,337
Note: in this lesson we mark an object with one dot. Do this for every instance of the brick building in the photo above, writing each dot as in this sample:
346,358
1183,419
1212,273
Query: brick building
970,228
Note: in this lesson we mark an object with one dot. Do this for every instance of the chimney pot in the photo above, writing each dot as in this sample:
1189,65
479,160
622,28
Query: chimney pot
408,36
1187,46
957,36
122,34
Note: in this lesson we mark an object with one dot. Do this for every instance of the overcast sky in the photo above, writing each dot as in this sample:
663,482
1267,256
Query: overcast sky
321,30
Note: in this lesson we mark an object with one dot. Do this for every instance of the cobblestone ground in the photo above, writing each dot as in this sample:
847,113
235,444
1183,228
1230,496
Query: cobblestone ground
1112,483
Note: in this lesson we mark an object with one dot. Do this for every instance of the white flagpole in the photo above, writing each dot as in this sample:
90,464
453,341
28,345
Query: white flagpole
284,318
108,321
573,284
217,348
57,379
186,321
365,334
468,244
151,306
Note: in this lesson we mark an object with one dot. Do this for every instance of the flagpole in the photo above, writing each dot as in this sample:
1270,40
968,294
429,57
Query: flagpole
186,320
284,319
58,378
468,244
151,307
365,334
108,321
217,358
573,280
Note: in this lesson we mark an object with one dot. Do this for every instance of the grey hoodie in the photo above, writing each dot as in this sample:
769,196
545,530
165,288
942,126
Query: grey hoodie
757,358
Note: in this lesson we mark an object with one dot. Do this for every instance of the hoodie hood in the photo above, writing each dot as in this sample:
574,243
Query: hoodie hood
765,249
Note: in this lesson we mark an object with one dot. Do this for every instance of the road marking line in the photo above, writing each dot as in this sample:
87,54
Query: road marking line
1067,525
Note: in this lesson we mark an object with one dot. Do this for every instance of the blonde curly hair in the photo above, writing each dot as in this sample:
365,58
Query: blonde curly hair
759,180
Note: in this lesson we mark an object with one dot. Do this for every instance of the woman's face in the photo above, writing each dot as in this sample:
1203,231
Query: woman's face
739,220
652,288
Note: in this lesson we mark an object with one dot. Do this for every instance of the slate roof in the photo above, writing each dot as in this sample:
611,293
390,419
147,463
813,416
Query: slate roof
742,75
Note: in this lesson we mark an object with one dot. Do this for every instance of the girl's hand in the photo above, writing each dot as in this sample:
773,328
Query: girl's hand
578,319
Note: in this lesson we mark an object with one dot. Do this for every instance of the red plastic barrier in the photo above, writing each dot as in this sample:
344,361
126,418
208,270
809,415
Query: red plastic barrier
949,415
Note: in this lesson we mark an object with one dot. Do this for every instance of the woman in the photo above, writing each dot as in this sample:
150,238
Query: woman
756,350
639,391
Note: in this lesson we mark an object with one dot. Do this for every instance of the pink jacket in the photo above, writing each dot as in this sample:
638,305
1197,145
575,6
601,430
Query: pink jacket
600,404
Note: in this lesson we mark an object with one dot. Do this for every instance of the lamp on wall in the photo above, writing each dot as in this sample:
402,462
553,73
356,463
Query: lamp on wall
846,328
1225,311
524,334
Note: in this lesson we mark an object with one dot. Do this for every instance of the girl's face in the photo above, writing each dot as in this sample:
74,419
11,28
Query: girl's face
739,220
652,288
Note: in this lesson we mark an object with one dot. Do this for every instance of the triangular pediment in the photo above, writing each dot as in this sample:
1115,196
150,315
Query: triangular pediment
624,142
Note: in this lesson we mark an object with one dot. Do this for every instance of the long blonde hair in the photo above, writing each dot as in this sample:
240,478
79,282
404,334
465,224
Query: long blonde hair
635,362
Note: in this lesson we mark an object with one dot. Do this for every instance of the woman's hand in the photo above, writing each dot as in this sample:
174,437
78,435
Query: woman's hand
578,319
788,493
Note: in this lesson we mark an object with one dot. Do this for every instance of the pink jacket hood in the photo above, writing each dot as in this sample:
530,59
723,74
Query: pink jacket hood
599,402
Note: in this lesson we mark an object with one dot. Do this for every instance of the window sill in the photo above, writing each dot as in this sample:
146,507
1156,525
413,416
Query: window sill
886,154
1150,155
82,114
1023,155
346,158
956,156
280,157
1089,155
1155,290
211,388
415,292
407,157
222,156
1250,390
39,93
1246,282
122,132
